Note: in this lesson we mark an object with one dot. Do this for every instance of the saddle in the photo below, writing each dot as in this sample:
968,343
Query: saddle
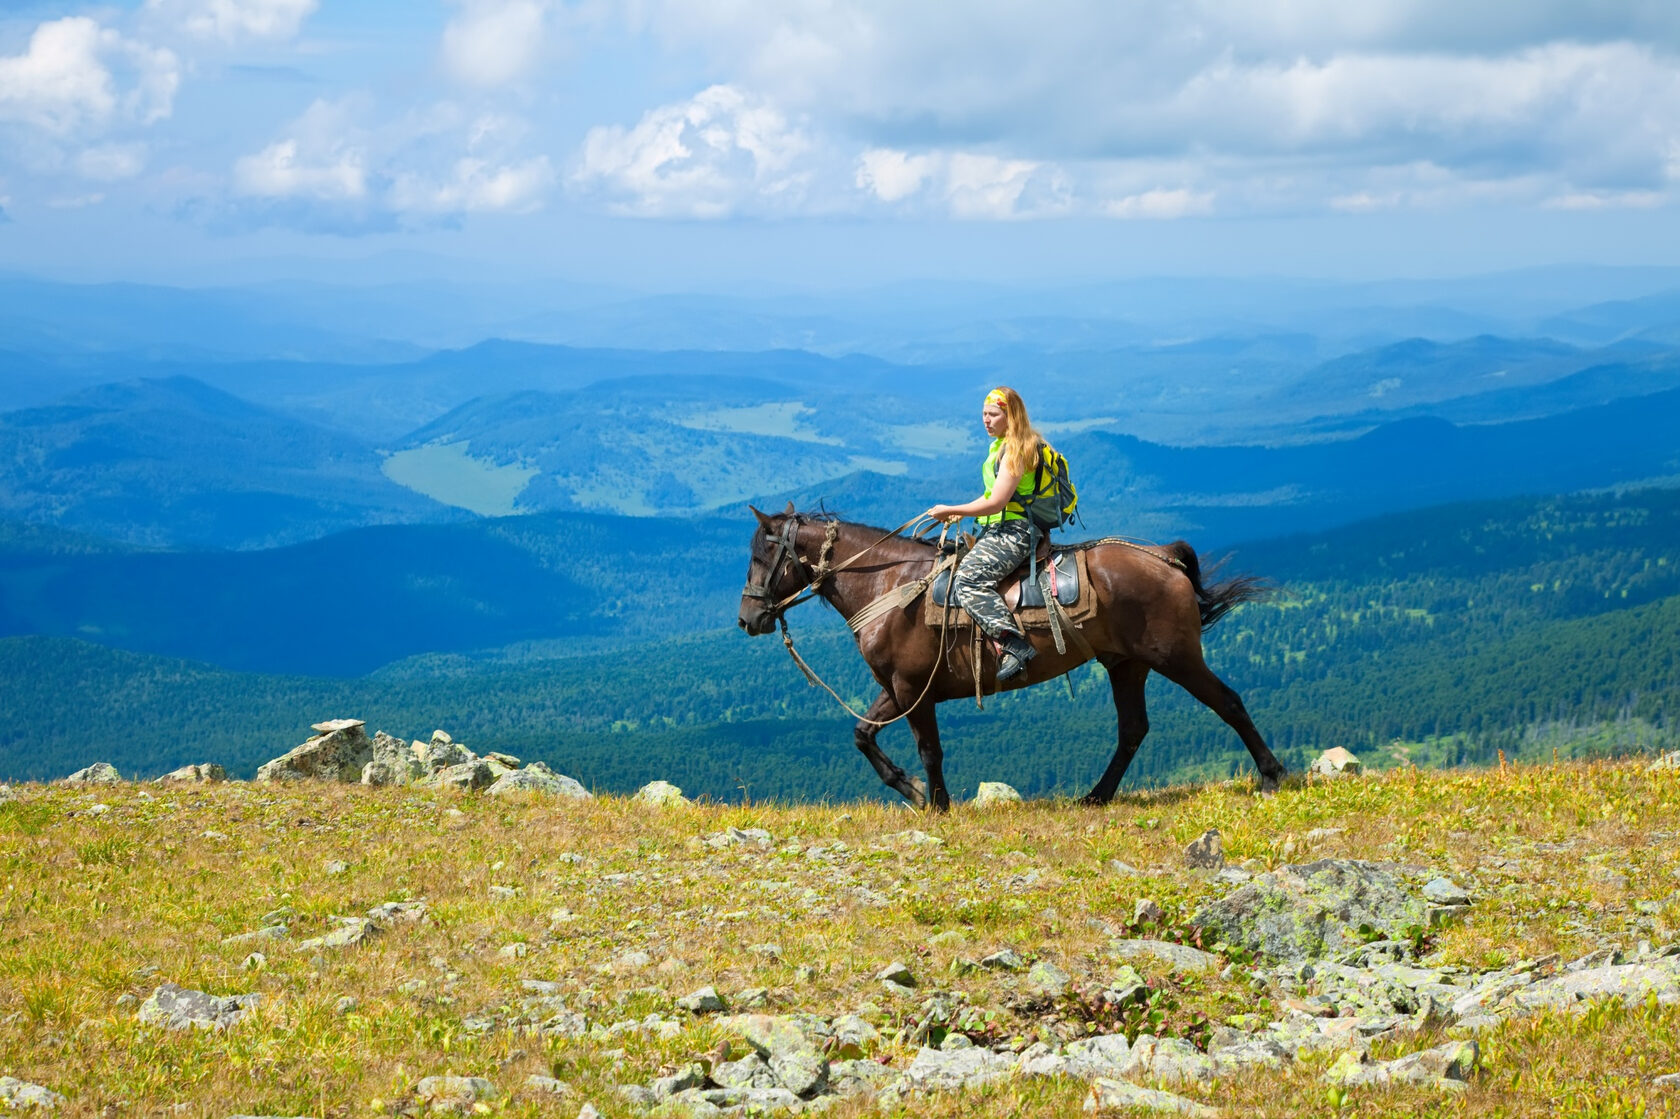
1065,569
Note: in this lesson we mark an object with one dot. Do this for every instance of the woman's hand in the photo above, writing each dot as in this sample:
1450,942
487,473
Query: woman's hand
943,513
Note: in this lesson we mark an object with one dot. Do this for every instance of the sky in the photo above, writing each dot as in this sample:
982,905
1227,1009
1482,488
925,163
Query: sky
714,144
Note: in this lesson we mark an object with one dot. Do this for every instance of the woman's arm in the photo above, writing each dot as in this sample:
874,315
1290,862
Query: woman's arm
1003,492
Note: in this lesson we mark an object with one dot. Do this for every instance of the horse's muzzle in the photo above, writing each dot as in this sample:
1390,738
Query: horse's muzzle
756,626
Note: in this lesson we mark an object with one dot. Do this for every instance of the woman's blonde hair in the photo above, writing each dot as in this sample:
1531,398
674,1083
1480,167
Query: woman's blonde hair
1020,441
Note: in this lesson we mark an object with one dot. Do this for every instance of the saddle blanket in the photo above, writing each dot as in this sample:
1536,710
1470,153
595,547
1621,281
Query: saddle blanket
1072,580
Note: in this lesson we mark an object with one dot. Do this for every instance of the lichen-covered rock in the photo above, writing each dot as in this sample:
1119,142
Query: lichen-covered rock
1337,762
991,794
469,776
177,1008
1046,978
704,1001
750,1071
538,778
1118,1095
16,1095
1631,984
441,753
206,774
1169,1059
99,773
803,1074
393,762
861,1078
1314,911
1446,1066
1092,1057
949,1071
1181,957
337,753
350,932
661,793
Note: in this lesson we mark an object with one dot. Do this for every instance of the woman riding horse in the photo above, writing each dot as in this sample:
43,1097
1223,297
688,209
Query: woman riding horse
1005,533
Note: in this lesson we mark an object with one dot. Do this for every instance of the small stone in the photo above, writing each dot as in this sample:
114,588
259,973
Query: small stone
19,1095
254,962
547,1086
1004,959
750,1071
351,931
587,1111
267,932
515,951
345,1005
1206,853
206,774
127,1001
504,893
1125,986
1146,912
1337,762
1444,891
704,1001
1670,1082
1123,869
693,1076
336,866
660,793
398,912
992,794
896,973
752,997
453,1093
1048,979
948,937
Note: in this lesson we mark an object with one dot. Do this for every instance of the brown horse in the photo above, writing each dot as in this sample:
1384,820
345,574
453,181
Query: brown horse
1151,610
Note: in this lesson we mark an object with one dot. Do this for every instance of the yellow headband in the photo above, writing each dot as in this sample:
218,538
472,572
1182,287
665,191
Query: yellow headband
996,396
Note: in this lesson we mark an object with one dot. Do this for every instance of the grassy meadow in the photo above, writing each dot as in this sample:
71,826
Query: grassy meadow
627,907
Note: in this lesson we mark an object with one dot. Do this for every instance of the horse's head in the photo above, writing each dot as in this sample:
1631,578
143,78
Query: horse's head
775,571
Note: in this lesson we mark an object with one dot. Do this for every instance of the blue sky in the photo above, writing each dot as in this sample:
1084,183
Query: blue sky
719,143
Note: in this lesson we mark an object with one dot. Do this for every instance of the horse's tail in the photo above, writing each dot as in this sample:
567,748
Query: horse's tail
1216,600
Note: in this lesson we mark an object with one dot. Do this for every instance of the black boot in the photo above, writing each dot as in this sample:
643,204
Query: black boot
1017,651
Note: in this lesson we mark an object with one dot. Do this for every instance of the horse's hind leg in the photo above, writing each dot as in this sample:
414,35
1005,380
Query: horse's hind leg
1126,678
1219,697
886,707
924,724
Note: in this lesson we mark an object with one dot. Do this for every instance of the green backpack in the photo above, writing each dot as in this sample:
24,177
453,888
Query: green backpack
1053,501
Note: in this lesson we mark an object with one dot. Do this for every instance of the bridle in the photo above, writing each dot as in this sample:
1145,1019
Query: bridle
787,552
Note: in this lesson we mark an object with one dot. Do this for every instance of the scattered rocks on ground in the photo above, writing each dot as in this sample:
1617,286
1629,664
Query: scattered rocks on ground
1206,853
177,1008
739,837
99,773
18,1094
338,752
990,794
206,774
661,793
1337,762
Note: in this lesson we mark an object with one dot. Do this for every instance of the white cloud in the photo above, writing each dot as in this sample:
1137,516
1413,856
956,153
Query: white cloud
892,175
324,158
1160,204
475,186
77,76
721,152
493,42
232,21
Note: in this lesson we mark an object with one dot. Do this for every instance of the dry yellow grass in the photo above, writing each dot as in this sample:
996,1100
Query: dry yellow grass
96,906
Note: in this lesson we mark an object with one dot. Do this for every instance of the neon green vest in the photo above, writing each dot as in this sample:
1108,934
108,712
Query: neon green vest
988,475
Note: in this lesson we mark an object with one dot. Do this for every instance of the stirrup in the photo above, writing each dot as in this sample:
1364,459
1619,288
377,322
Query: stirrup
1014,657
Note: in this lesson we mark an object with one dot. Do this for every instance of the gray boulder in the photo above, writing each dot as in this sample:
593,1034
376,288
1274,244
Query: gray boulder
1046,978
803,1074
453,1093
99,773
661,793
750,1071
16,1095
1169,1059
991,794
470,776
1631,984
350,932
538,778
860,1078
1337,762
1181,957
177,1008
1446,1066
1299,913
337,753
704,1001
206,774
441,753
1093,1057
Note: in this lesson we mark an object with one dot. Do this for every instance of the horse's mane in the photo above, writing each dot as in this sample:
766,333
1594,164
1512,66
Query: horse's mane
822,514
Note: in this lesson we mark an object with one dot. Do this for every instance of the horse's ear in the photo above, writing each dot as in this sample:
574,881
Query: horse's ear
763,518
790,509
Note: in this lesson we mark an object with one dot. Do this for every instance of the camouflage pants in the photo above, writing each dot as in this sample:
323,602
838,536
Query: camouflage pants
1001,549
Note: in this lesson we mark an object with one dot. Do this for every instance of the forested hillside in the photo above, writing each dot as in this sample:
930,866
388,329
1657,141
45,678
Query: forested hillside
1440,636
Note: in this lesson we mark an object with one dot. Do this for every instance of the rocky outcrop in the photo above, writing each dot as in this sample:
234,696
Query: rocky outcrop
1314,911
99,773
338,752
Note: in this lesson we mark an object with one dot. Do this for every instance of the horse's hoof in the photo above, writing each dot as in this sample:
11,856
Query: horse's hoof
1092,800
1268,784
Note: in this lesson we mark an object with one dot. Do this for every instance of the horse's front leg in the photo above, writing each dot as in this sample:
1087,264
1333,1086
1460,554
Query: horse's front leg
924,724
884,708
